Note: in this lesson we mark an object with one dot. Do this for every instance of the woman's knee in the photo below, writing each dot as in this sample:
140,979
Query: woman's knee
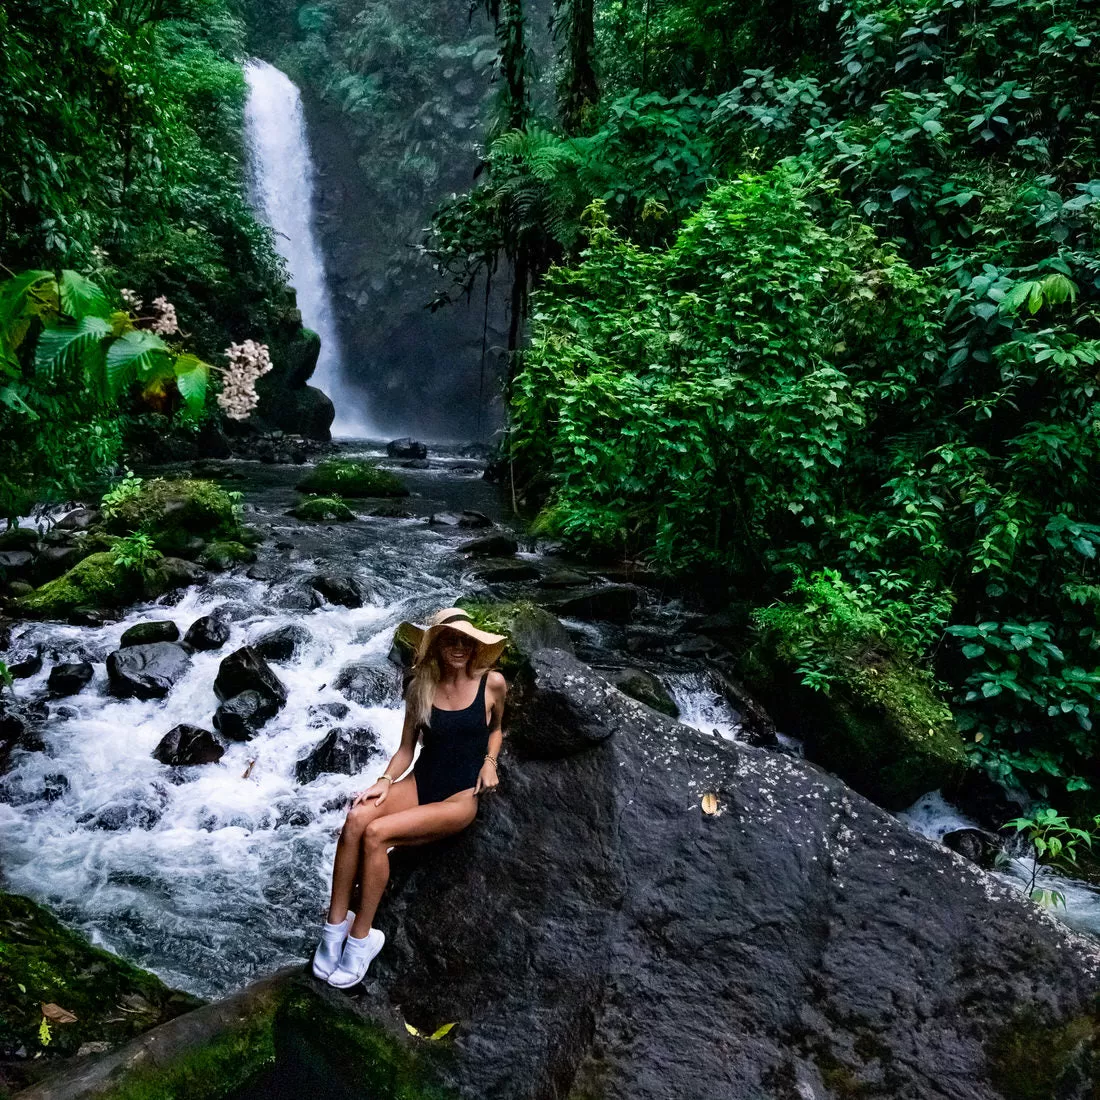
374,834
358,819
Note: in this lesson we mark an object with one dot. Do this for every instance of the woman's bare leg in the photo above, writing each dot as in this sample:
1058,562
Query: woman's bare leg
419,825
345,868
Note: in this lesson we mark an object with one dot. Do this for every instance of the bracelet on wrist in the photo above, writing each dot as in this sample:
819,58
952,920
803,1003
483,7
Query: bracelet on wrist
492,759
387,778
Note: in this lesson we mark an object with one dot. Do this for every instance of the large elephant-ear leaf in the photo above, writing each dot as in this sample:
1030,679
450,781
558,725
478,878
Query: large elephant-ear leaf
136,355
192,376
65,346
80,297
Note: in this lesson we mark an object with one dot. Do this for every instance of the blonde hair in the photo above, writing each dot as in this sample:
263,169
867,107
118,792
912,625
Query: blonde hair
420,693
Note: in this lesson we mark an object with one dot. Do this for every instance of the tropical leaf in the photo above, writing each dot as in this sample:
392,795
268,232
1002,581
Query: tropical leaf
137,355
192,377
13,295
80,297
12,398
66,346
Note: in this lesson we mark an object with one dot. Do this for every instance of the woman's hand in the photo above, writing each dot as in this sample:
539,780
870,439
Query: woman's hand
378,790
486,778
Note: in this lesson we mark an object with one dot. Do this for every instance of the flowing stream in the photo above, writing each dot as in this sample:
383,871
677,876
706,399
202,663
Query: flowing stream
282,177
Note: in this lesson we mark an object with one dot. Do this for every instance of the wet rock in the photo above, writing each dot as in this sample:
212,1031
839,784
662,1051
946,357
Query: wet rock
117,816
223,554
368,685
696,645
19,721
504,572
459,519
475,450
242,717
647,639
24,662
414,464
209,632
646,688
284,643
163,630
16,565
293,816
187,745
70,678
613,603
146,671
19,538
325,713
390,511
406,448
19,588
53,561
339,589
563,578
250,692
346,751
975,845
79,519
178,573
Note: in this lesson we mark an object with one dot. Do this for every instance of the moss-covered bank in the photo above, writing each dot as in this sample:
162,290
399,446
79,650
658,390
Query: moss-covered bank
352,478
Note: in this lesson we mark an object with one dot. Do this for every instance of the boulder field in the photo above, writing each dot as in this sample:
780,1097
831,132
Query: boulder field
643,911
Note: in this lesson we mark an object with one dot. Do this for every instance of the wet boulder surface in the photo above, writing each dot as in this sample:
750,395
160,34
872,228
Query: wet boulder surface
597,933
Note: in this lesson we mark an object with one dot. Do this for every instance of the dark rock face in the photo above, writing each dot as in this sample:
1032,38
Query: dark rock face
975,845
186,745
68,679
339,589
24,663
368,685
284,643
460,519
146,671
646,688
798,943
347,751
503,571
613,603
490,546
147,633
250,692
406,448
178,573
209,632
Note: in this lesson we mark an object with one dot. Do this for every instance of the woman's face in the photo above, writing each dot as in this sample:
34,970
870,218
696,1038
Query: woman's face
455,649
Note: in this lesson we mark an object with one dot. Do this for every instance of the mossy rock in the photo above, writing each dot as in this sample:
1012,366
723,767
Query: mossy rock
43,962
1032,1059
173,511
880,725
527,626
352,478
19,538
97,582
323,510
224,554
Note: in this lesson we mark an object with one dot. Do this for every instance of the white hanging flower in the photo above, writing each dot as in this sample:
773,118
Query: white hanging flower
247,362
165,323
133,302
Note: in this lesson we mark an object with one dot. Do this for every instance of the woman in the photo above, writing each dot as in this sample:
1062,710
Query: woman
458,704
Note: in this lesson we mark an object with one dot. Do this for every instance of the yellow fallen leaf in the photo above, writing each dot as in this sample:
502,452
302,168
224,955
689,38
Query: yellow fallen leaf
441,1031
710,803
58,1014
410,1029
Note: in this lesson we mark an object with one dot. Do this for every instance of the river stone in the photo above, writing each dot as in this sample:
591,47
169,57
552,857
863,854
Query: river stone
25,662
19,538
69,678
563,578
368,685
490,546
16,564
284,643
241,717
346,751
498,571
613,603
646,688
459,519
246,670
146,633
186,745
209,632
976,845
52,561
799,944
146,671
406,448
79,519
339,589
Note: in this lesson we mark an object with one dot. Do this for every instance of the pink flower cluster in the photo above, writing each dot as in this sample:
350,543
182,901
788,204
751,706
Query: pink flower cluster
247,362
165,323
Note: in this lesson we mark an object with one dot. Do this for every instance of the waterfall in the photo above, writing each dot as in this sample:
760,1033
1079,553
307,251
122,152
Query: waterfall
282,193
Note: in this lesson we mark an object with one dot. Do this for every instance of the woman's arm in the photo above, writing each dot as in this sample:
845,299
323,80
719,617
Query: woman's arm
396,768
497,688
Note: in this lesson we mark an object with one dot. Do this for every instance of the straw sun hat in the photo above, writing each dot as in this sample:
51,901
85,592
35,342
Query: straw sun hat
454,618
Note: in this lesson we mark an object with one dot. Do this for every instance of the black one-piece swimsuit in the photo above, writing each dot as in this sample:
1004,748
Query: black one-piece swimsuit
455,744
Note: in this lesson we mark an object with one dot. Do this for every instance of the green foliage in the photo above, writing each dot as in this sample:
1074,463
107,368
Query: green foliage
129,488
6,680
137,552
172,511
352,478
323,509
1052,841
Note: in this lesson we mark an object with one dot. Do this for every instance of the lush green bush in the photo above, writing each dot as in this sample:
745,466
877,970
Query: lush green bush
347,477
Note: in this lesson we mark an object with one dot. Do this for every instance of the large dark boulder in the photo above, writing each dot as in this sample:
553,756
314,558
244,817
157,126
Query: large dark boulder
613,603
490,546
241,717
246,670
797,943
209,632
406,448
346,751
146,671
69,678
368,685
283,643
146,633
186,745
338,588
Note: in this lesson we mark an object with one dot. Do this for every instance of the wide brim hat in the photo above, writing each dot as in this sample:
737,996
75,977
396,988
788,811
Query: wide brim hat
491,646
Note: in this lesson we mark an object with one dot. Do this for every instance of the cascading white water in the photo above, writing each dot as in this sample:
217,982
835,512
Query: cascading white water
282,191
